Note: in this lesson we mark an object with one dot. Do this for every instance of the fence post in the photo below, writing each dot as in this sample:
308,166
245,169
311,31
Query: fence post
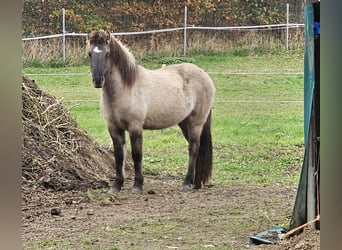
185,25
287,25
63,31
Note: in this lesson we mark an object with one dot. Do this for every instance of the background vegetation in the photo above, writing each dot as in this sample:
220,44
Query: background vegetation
45,17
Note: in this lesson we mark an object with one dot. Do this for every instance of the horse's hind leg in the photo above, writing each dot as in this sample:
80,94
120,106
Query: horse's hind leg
136,143
118,137
193,137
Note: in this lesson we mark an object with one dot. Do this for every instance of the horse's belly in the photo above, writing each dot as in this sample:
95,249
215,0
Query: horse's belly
168,108
165,119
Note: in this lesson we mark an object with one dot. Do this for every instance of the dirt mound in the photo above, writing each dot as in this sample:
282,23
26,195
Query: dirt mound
56,153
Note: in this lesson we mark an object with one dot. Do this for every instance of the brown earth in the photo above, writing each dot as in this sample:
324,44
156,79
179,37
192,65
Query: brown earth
65,204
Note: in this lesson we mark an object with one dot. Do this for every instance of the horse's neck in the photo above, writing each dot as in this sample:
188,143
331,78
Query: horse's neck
113,86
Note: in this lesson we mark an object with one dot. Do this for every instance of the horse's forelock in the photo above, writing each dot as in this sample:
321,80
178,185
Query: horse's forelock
99,37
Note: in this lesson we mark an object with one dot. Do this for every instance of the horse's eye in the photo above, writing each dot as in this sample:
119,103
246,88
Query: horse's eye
107,55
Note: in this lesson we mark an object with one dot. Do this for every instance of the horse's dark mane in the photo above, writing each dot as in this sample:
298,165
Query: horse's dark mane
119,54
124,60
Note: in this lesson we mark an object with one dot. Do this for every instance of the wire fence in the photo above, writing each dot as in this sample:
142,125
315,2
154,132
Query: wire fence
174,41
212,73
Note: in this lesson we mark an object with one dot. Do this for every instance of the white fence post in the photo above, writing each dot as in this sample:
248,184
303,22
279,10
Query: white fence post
287,25
185,26
63,31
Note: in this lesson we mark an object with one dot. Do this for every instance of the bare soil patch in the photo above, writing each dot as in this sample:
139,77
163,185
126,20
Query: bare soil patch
65,172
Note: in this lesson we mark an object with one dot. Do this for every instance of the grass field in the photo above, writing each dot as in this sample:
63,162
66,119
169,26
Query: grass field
257,118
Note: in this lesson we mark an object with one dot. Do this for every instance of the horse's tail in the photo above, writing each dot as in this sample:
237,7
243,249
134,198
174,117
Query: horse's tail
204,161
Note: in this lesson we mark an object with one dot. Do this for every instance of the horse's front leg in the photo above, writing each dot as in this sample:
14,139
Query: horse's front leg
136,143
118,137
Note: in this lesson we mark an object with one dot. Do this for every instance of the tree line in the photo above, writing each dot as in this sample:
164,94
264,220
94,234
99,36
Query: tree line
42,17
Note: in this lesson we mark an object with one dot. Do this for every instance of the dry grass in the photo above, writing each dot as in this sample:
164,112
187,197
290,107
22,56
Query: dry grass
48,52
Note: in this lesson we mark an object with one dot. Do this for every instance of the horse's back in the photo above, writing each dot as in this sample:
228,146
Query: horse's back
183,89
185,80
191,75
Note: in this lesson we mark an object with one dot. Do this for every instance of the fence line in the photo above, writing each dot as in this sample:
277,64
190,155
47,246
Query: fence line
209,72
255,73
212,73
287,29
257,101
253,27
215,101
186,27
58,74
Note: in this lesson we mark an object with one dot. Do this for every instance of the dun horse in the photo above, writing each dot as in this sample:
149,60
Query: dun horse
135,98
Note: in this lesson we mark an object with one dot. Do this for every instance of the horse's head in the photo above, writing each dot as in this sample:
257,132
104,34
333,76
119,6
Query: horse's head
99,53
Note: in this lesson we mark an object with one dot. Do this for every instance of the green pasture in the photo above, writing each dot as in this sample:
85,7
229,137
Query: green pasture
257,122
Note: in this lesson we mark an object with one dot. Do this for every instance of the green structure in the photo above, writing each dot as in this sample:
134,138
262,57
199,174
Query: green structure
307,205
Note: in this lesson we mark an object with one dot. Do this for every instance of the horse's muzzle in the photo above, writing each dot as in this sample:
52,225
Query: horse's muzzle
98,82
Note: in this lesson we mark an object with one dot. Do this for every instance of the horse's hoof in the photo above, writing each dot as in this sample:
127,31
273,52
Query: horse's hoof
113,190
185,188
136,190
